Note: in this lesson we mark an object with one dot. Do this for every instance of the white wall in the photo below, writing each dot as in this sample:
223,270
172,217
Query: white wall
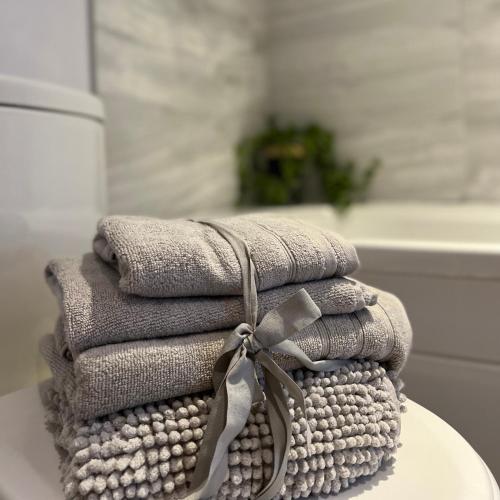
182,81
416,83
46,41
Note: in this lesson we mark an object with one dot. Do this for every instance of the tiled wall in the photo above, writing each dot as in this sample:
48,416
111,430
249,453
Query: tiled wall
181,81
416,83
481,70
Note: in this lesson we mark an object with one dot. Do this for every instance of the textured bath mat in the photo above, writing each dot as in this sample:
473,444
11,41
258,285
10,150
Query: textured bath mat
150,451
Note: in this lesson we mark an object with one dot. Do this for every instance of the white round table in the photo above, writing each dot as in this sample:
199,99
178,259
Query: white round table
434,461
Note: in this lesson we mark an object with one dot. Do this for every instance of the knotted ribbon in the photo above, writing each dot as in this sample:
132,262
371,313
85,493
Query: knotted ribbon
236,385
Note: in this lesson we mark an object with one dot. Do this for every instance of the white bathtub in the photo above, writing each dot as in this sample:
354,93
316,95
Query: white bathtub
443,261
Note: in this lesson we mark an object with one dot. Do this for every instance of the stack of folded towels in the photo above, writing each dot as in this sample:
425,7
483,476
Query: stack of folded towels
143,322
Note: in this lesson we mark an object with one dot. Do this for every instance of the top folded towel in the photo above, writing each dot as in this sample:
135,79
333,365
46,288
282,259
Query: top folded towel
180,258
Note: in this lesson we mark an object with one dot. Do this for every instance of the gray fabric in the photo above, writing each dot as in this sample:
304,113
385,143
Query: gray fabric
96,312
151,451
174,258
248,346
112,377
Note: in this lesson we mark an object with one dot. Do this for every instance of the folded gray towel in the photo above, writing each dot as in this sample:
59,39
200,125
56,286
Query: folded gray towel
96,312
179,258
112,377
151,451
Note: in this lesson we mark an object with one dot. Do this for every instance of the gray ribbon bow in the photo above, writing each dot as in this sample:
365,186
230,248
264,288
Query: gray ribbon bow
236,385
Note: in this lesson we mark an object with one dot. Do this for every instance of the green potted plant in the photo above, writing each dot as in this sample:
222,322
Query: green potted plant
294,164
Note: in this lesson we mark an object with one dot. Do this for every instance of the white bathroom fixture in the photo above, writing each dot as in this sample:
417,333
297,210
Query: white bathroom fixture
52,170
52,191
443,262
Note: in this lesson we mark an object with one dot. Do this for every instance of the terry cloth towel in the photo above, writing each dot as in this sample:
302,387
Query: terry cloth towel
96,312
180,258
117,376
150,451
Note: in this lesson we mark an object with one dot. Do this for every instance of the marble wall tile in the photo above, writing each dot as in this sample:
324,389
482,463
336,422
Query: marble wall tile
416,84
386,76
182,81
482,84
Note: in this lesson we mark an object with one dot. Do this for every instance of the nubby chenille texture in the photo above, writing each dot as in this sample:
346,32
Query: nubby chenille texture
143,321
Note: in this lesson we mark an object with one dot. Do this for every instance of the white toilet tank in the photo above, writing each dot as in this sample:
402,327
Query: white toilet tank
52,168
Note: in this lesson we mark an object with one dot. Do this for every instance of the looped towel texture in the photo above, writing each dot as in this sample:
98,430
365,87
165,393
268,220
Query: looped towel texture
235,379
174,353
182,258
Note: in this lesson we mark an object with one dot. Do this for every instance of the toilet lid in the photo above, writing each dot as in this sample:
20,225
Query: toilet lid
43,96
434,461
